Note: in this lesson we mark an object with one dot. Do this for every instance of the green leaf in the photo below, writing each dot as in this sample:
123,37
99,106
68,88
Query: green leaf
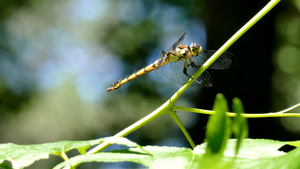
82,150
4,166
240,126
254,153
217,134
251,148
162,157
258,154
218,131
295,143
24,155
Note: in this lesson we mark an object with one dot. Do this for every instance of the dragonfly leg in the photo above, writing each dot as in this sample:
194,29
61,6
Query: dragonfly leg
190,58
185,72
194,65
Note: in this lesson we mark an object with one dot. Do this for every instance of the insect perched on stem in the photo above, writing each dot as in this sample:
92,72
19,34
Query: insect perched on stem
180,62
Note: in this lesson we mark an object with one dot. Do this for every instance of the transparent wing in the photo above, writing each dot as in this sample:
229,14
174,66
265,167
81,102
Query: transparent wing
174,72
226,60
177,43
163,54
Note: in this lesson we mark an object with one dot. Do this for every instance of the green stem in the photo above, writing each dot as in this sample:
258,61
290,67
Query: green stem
177,120
158,112
288,109
230,114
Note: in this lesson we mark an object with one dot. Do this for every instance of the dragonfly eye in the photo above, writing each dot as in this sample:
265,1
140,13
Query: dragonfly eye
196,49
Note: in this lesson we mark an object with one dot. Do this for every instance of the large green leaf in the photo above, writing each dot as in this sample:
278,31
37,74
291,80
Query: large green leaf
24,155
259,153
254,153
162,157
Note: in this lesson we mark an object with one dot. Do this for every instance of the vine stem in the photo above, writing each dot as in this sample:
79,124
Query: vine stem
186,134
246,115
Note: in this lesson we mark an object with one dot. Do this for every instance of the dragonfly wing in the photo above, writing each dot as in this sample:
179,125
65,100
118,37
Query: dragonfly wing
226,60
205,79
175,45
163,55
174,72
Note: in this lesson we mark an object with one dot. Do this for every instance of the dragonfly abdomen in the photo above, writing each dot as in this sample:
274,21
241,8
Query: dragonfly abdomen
132,76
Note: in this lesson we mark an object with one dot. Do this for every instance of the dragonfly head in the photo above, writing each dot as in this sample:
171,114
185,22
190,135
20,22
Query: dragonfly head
196,49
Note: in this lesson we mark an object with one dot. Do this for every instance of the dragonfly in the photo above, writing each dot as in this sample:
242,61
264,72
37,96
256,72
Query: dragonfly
180,62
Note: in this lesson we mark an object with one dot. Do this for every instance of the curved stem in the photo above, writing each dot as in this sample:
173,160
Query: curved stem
288,109
246,115
158,112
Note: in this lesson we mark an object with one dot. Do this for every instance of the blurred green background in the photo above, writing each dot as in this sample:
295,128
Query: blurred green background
57,58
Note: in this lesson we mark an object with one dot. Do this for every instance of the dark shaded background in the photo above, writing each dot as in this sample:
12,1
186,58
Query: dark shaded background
58,57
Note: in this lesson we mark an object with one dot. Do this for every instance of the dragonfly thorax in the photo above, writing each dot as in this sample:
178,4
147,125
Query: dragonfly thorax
180,53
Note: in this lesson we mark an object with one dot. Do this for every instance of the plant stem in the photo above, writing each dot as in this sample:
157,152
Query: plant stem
288,109
158,112
177,120
230,114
